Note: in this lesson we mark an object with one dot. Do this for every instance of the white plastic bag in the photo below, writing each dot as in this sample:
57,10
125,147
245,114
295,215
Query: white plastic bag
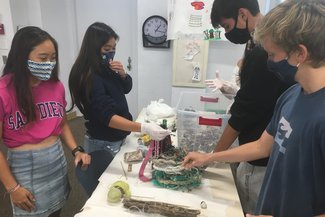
159,110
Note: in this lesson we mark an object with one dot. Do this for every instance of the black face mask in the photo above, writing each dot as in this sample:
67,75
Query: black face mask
283,70
238,36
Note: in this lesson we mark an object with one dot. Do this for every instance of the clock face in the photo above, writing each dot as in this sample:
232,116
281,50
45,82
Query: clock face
155,29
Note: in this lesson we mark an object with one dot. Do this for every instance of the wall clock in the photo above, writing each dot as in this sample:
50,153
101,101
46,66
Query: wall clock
154,32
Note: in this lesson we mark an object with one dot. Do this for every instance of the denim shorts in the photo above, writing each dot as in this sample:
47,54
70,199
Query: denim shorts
43,172
91,145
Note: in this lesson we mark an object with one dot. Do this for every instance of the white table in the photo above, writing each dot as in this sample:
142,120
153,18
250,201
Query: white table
217,190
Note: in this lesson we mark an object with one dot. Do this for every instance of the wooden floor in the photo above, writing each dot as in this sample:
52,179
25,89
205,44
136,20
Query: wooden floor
77,196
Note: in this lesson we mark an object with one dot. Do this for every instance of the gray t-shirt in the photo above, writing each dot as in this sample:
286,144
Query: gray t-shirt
294,183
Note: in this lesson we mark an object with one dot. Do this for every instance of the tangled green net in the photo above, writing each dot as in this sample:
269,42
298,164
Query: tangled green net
168,172
185,180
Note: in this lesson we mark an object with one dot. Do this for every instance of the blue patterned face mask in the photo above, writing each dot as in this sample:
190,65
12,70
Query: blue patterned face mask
41,70
107,56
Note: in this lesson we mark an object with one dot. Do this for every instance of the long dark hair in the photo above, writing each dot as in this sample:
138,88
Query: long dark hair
87,63
24,41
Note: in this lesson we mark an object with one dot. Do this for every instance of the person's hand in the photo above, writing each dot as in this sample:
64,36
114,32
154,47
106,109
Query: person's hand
249,215
229,89
83,158
154,131
195,159
23,199
117,67
215,84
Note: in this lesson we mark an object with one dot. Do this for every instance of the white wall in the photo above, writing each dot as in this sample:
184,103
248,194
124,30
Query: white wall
59,20
152,68
123,21
26,13
5,40
267,5
154,64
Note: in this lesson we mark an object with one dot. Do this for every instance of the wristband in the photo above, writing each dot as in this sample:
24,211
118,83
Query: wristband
78,148
12,190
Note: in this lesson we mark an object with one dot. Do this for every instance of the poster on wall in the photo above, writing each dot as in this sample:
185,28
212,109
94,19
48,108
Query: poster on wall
190,58
191,17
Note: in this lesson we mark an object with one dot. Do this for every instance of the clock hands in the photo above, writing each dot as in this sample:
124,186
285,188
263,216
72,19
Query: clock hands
161,31
158,28
154,32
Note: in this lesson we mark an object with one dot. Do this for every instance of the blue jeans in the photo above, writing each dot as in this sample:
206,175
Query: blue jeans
91,145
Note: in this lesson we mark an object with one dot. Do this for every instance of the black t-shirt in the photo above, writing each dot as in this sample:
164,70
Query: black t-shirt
254,103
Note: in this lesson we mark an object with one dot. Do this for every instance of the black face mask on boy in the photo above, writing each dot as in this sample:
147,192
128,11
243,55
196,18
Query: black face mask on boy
283,70
238,36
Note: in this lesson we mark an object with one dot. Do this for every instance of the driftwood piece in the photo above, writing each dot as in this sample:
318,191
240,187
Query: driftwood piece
161,208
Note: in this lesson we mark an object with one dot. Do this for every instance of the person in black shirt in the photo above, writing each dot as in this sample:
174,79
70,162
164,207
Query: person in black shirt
255,100
98,85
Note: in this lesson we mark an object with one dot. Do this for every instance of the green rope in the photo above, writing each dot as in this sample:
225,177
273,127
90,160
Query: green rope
168,172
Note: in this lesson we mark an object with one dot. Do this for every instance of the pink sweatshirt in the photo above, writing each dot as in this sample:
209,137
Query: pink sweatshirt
49,97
